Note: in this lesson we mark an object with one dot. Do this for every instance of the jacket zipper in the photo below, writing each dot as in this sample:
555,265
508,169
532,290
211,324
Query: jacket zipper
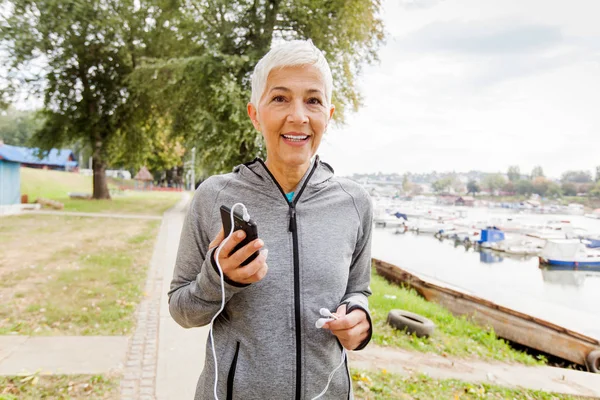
231,375
293,228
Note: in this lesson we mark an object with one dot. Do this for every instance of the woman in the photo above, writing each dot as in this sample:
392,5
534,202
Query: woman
317,228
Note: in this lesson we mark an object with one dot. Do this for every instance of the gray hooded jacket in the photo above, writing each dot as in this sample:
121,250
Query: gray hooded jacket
319,246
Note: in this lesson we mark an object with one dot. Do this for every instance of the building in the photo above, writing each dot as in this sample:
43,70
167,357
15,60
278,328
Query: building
61,160
10,182
467,201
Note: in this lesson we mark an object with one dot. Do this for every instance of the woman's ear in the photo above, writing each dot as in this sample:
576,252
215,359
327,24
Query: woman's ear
253,114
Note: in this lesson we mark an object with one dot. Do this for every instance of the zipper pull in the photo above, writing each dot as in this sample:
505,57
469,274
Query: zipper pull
292,219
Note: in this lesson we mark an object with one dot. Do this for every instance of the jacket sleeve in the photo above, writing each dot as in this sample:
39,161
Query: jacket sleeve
195,293
359,279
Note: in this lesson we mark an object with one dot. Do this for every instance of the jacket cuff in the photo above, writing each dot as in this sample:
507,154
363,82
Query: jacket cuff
213,262
351,306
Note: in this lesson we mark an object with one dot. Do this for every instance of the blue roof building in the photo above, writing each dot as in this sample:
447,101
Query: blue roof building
63,160
10,182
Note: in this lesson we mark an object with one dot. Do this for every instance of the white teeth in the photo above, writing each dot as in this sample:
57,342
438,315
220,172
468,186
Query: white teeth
295,138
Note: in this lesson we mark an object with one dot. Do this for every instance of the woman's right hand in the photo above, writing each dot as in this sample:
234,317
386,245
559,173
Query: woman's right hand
230,264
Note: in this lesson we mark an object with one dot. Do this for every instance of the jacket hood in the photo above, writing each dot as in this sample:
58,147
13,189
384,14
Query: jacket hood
256,171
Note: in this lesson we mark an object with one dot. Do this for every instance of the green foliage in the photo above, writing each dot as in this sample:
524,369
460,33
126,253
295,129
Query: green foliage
569,189
524,187
537,172
38,386
17,127
473,187
442,185
577,177
493,182
514,173
382,385
454,335
89,48
203,86
554,190
595,190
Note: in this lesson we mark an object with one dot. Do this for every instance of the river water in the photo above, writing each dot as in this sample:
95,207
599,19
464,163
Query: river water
567,298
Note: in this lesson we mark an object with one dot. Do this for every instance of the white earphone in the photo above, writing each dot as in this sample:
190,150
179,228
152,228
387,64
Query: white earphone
322,321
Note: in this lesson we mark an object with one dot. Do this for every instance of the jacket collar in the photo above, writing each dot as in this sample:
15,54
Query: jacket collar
257,173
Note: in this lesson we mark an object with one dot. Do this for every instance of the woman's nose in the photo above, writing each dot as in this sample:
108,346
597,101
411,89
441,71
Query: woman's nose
297,112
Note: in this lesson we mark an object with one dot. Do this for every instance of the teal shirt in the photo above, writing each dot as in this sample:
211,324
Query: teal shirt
290,196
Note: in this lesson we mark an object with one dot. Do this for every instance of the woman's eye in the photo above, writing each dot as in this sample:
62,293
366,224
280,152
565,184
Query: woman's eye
314,100
278,99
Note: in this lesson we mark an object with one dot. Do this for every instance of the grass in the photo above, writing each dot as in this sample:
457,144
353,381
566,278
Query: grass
56,185
455,336
383,385
35,386
146,203
75,278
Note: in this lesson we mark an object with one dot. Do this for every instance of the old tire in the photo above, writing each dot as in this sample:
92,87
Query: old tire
593,361
413,323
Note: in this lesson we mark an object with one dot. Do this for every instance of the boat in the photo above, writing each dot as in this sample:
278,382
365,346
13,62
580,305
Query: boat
575,209
594,214
507,323
576,253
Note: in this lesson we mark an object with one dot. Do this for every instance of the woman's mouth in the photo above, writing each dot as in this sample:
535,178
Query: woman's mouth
296,138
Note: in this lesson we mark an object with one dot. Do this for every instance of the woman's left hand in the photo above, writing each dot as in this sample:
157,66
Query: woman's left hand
350,329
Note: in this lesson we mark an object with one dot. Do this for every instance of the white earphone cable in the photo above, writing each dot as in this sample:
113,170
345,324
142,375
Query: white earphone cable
212,340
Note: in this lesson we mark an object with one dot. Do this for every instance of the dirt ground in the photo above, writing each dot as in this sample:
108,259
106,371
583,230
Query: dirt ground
36,250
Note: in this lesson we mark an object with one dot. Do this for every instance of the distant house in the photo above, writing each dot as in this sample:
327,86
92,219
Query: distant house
10,182
61,160
467,201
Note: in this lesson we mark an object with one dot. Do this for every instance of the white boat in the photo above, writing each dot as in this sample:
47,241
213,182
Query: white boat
571,253
575,209
594,214
428,226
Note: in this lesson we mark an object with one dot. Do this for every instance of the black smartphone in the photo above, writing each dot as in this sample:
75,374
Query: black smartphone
238,223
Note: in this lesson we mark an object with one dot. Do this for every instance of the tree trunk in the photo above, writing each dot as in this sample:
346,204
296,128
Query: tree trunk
100,183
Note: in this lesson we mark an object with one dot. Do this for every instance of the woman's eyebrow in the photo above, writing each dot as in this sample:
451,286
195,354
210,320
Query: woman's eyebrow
282,88
285,89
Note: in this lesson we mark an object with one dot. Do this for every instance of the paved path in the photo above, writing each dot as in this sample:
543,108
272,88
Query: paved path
61,354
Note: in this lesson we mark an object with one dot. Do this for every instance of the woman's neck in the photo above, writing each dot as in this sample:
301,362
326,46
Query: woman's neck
287,176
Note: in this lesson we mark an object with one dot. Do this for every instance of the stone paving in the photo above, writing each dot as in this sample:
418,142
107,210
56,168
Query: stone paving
139,375
140,371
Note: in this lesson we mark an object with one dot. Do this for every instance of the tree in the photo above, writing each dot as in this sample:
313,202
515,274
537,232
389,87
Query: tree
537,172
597,179
569,189
540,185
442,185
473,187
89,47
577,177
493,182
514,173
406,184
524,187
595,191
554,190
509,188
17,127
204,87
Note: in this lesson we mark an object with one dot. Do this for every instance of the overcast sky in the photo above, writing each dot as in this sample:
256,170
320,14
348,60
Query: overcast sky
471,84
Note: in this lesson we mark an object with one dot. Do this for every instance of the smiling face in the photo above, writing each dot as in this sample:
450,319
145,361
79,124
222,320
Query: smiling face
292,115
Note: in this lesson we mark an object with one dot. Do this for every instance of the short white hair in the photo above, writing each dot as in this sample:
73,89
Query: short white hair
291,53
